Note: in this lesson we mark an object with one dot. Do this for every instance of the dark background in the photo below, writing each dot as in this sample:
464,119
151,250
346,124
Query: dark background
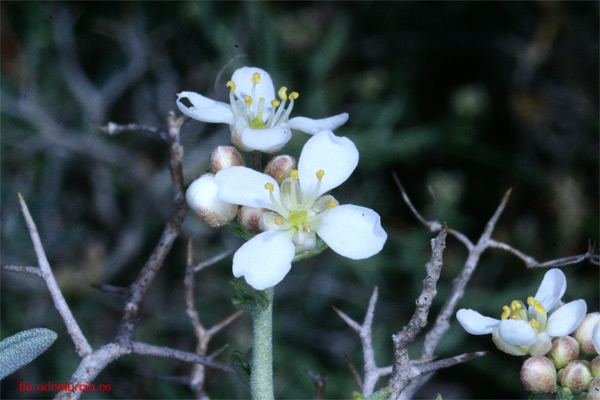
472,98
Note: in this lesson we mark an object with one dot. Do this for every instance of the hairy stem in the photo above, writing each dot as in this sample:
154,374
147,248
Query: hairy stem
261,378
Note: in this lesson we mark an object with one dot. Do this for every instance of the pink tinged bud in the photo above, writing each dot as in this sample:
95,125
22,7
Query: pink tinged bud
564,350
583,333
249,218
224,157
538,374
202,198
280,167
576,376
594,390
595,367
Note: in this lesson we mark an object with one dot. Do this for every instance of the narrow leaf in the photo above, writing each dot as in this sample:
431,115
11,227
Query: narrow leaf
22,348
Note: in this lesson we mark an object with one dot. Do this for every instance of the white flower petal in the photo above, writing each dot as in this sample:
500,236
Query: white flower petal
505,347
352,231
516,332
266,140
245,186
202,197
542,345
205,109
336,156
265,259
475,323
566,319
551,289
596,338
314,126
242,78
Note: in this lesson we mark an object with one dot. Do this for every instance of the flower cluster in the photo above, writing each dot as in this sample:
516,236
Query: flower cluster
541,329
287,206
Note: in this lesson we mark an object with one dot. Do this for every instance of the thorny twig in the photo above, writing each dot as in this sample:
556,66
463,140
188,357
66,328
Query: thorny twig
203,335
319,381
372,372
81,344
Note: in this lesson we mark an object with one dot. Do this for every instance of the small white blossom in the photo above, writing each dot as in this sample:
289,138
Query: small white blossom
300,211
529,330
257,119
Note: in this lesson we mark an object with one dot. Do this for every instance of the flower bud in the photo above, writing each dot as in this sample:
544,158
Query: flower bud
224,157
594,390
564,350
583,333
280,167
249,218
538,374
202,198
576,376
595,367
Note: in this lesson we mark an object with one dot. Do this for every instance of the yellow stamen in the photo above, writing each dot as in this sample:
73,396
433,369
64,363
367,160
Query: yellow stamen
275,103
505,313
539,308
248,100
231,85
320,174
515,317
534,324
256,77
269,186
294,174
331,204
530,300
515,306
278,221
305,228
293,95
283,93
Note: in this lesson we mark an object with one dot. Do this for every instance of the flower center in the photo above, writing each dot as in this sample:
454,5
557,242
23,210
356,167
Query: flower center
518,311
299,212
252,109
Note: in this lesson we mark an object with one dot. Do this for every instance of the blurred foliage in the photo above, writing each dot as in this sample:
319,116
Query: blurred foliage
471,98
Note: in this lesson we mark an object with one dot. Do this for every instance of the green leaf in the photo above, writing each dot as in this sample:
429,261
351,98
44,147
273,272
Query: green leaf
381,394
22,348
439,397
564,394
241,365
249,299
357,396
238,230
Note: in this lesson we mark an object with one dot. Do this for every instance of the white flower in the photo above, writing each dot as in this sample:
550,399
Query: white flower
301,211
596,338
523,330
258,121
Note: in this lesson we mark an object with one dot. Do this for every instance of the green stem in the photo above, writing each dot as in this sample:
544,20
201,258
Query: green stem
261,377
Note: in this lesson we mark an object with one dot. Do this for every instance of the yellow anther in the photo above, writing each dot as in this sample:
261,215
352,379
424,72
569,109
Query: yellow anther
320,174
514,317
256,77
231,85
294,174
515,306
278,221
530,300
331,203
534,324
282,93
293,95
505,313
305,228
539,308
275,103
269,186
248,100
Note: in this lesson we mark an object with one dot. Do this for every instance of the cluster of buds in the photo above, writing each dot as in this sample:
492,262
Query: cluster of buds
568,366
